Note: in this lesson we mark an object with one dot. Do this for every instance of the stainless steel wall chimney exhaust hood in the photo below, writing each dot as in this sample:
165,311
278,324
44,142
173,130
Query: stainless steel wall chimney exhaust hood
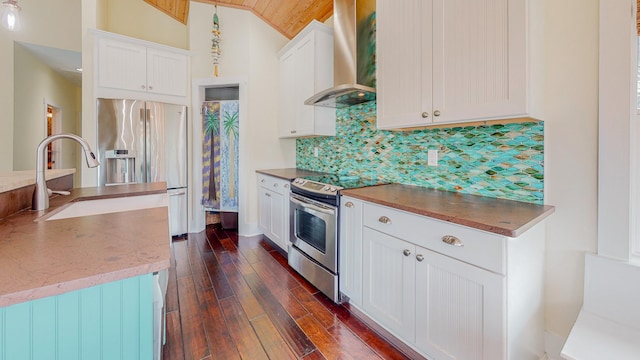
354,69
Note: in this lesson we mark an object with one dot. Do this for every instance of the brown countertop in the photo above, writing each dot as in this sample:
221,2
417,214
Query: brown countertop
289,174
504,217
11,180
46,258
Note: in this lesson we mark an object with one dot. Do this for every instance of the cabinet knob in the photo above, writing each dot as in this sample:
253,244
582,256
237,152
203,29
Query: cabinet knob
142,87
425,114
349,204
436,113
275,185
406,252
452,240
384,220
286,186
268,195
262,181
420,257
293,131
150,87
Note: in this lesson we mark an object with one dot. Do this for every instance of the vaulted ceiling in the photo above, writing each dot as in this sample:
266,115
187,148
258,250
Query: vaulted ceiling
286,16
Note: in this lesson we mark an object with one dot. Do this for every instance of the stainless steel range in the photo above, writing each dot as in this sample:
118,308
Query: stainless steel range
314,216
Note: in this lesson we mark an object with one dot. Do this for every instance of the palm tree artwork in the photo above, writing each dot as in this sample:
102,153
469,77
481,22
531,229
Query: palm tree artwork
211,155
220,155
229,158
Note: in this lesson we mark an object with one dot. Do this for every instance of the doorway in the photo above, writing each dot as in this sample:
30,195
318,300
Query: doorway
53,123
220,134
217,89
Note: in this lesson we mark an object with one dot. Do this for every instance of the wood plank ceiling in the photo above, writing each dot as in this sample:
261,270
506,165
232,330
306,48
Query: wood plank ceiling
286,16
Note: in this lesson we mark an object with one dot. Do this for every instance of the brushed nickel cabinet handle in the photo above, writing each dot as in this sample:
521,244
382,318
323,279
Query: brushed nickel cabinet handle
406,252
349,204
268,195
262,181
150,87
452,240
420,257
275,185
384,220
286,186
142,87
425,114
436,113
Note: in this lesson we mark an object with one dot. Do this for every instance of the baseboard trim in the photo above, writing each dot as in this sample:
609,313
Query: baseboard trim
394,341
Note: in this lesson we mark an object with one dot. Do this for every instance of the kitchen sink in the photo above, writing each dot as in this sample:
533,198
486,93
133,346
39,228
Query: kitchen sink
105,206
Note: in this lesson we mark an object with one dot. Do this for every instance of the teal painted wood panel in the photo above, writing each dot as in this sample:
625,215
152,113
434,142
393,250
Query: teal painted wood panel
90,323
109,321
68,329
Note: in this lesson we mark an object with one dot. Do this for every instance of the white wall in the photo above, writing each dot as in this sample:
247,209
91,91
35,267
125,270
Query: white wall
49,23
571,146
140,20
249,52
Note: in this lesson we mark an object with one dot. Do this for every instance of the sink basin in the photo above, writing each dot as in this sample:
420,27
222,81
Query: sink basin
105,206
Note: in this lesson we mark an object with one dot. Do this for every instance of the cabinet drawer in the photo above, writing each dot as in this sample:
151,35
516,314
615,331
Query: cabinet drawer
476,247
274,184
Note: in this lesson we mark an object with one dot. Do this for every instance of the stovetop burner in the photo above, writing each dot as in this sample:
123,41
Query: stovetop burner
325,188
344,182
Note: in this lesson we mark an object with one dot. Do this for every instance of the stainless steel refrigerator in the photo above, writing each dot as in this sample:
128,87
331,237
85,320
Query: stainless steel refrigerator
143,141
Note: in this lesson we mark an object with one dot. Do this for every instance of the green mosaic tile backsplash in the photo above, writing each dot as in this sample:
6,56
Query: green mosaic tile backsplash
500,161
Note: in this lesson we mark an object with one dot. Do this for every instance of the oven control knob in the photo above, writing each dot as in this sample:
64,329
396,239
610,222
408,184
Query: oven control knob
333,189
326,188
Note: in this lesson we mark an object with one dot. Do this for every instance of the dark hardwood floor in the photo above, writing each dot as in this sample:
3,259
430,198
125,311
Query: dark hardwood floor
238,299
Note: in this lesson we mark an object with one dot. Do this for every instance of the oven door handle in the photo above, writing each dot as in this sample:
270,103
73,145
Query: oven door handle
312,206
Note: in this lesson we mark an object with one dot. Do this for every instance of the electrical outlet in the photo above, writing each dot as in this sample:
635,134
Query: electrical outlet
432,157
315,151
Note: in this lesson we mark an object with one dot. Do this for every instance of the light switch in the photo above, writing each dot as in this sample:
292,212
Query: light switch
432,157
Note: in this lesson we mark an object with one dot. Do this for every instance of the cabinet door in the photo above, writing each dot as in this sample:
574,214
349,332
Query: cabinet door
276,226
460,309
167,72
479,59
304,69
122,65
403,54
287,95
388,282
264,213
350,252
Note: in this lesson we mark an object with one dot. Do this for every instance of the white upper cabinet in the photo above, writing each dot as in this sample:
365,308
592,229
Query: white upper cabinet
306,68
132,68
446,61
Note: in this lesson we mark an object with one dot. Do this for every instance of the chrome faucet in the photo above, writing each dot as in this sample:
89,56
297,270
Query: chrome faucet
40,199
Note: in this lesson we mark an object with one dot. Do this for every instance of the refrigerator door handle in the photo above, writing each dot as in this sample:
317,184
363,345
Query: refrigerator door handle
176,192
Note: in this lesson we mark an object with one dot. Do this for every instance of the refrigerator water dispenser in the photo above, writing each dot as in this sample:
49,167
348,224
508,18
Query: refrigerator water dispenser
121,167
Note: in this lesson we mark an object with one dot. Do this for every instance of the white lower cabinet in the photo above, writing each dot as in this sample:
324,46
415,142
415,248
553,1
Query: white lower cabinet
350,249
273,203
389,289
460,309
476,297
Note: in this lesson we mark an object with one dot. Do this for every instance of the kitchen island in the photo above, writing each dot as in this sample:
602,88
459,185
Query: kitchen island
88,278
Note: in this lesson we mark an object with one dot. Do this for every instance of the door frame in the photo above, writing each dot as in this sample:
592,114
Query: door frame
56,128
197,221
